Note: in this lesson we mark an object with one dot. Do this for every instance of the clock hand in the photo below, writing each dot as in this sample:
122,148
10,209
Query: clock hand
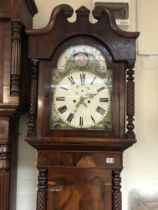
77,105
91,95
81,101
84,103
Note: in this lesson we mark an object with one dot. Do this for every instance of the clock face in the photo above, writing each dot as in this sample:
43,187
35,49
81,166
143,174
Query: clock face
82,99
81,90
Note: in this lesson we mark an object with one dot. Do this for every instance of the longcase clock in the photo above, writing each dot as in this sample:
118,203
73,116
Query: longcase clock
15,17
82,108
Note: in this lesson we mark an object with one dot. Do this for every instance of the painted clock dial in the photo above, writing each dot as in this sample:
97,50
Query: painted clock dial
81,90
82,99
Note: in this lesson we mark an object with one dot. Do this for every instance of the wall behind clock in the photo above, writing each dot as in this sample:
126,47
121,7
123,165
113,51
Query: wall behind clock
148,26
140,174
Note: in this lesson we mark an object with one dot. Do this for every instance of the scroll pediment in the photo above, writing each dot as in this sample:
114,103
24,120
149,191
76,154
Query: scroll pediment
105,30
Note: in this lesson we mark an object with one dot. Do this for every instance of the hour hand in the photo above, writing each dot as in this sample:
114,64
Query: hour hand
81,101
84,103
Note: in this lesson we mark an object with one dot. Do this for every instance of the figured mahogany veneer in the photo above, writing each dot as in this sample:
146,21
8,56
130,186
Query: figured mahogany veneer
80,169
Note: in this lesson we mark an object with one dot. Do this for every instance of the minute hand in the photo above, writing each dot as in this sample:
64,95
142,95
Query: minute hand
91,95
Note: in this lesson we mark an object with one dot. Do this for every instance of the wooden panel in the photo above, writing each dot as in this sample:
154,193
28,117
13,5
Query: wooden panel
4,129
4,4
79,189
80,159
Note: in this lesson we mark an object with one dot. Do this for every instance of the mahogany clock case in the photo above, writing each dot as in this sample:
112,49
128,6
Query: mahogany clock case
79,168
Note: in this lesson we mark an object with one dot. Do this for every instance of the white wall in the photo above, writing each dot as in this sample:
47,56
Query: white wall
45,9
27,173
140,172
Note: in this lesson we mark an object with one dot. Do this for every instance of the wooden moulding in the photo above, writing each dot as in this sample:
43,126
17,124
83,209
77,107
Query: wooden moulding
64,143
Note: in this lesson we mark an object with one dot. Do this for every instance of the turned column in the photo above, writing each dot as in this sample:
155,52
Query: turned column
33,98
130,100
116,190
42,189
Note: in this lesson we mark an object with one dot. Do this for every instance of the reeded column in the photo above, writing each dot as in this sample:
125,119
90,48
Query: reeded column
4,176
16,59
